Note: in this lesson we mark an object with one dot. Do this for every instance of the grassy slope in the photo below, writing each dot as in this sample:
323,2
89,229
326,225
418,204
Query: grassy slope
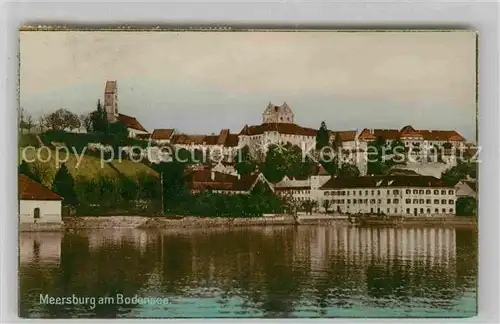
90,166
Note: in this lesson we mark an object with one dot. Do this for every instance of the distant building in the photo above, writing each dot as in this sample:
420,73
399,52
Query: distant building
217,182
466,189
135,129
303,188
277,114
413,138
162,136
390,195
38,204
111,101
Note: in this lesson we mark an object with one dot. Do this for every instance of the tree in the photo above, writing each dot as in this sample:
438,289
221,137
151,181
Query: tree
64,186
466,206
86,122
62,119
25,169
98,119
337,142
459,172
322,137
244,164
378,163
348,171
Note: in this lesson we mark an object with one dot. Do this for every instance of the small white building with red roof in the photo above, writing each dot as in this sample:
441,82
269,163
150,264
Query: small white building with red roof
38,204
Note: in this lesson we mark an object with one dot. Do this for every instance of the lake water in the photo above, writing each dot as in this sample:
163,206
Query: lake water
279,271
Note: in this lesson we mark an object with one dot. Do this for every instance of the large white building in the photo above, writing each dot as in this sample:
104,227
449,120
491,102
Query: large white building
38,204
390,195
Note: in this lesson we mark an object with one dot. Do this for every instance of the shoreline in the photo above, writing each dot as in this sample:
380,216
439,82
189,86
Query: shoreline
165,222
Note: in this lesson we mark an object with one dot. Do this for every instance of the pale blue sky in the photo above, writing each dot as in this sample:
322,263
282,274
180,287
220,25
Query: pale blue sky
202,82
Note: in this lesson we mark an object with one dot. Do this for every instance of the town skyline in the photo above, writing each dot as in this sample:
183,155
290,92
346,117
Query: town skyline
426,80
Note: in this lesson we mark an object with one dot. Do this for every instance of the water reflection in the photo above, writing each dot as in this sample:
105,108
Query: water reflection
310,271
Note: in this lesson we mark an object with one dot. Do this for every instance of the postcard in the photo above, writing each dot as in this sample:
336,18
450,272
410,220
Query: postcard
247,173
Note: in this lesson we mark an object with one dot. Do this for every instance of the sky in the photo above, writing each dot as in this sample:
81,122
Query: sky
201,82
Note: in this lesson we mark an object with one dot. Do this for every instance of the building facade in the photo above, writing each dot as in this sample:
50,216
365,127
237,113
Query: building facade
38,204
390,195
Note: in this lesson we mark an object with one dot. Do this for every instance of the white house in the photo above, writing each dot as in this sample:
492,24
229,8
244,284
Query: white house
38,204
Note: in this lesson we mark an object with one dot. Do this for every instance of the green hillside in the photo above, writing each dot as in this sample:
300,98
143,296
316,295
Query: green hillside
89,167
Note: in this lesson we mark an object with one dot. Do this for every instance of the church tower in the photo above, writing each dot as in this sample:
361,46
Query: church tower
111,101
278,114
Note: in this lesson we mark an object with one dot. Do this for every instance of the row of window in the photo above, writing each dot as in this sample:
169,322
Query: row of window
436,211
363,201
429,201
394,192
428,192
360,192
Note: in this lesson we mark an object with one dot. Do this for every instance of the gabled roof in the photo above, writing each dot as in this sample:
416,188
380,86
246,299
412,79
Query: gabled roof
202,180
345,136
224,138
131,122
32,190
162,134
385,181
282,128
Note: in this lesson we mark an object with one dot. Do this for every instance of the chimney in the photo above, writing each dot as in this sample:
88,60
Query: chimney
212,175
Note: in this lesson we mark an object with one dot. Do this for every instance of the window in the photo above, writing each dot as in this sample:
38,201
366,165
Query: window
378,192
396,192
415,201
388,210
450,201
408,191
421,201
348,192
427,192
354,201
451,210
373,192
354,193
428,210
427,201
372,201
395,210
443,201
407,210
388,201
388,192
450,192
366,192
366,201
436,192
444,211
421,192
36,213
421,210
348,201
371,210
436,211
396,201
436,201
379,201
408,201
415,191
443,192
327,193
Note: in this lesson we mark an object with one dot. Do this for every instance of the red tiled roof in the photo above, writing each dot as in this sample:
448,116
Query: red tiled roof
110,87
162,134
224,138
408,131
292,188
131,122
32,190
345,136
385,181
282,128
